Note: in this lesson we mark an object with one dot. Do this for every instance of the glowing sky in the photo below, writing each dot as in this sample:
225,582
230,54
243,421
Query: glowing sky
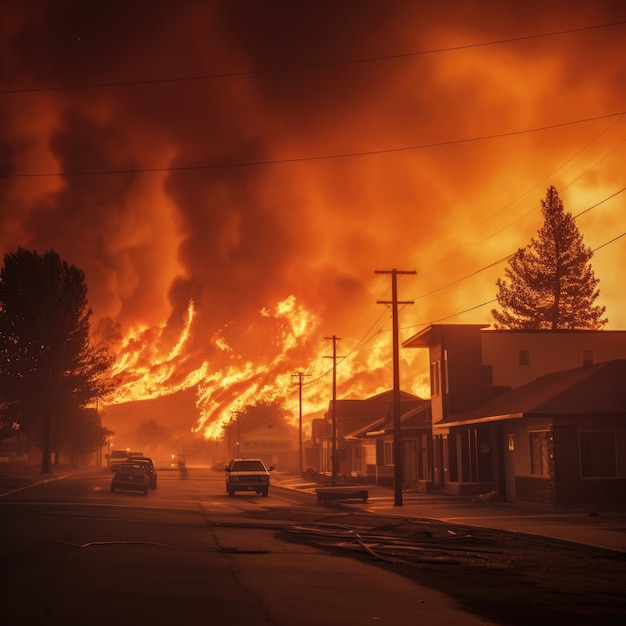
229,175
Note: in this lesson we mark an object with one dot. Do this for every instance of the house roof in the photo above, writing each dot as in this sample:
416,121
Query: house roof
424,338
413,414
599,389
374,406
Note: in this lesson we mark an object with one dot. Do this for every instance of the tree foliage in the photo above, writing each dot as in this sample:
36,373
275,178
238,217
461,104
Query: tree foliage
262,413
48,368
550,284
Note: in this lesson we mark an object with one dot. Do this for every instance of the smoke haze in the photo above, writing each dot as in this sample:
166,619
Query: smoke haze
229,175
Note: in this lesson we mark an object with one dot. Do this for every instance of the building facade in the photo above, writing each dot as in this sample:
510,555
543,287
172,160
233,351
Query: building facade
529,415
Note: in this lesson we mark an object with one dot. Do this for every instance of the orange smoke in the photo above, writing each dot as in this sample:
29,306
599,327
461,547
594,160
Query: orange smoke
230,195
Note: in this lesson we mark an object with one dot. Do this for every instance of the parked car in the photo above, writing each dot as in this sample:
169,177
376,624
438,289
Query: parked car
131,476
150,468
247,475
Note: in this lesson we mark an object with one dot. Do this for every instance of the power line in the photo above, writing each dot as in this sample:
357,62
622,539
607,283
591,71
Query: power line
362,342
506,258
312,66
323,157
519,197
478,306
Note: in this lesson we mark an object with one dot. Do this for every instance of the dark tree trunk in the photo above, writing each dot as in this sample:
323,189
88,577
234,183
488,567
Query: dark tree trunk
46,448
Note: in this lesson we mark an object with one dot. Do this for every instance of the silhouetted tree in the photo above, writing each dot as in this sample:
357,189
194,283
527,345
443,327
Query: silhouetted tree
551,283
83,432
151,433
48,368
262,413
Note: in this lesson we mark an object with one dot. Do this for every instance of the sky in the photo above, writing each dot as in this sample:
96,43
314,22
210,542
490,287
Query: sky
231,176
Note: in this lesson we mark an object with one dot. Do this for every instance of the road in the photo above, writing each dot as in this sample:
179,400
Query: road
72,552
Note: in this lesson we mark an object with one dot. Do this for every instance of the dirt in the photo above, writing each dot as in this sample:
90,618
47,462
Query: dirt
505,577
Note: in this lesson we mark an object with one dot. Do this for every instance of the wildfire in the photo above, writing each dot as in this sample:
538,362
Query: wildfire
146,374
251,362
234,376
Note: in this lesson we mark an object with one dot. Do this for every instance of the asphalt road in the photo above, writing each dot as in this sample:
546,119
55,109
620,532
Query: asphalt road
72,552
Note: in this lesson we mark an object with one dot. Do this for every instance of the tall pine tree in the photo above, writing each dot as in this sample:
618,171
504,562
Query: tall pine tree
550,283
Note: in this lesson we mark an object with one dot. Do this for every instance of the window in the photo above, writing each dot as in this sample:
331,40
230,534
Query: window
445,382
388,452
524,357
435,378
539,457
598,454
248,466
587,358
369,454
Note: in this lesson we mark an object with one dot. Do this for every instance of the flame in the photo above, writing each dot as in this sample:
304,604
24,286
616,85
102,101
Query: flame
243,382
235,378
169,215
147,375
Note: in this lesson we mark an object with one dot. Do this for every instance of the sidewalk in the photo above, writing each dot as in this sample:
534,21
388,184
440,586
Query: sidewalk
604,530
18,476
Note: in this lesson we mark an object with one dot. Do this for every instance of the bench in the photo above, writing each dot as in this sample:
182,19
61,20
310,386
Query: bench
332,494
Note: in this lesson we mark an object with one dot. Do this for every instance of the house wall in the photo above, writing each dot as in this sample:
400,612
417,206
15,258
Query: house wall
273,444
564,484
455,370
571,487
548,351
528,486
460,359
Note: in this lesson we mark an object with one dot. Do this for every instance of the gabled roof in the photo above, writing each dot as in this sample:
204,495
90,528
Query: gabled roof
374,406
599,389
413,413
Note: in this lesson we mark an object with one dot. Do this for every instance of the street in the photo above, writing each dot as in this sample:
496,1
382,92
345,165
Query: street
74,553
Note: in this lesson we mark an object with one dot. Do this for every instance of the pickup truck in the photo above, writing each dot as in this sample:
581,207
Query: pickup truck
247,475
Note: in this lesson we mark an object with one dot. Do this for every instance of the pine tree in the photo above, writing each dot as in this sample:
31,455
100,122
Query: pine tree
550,283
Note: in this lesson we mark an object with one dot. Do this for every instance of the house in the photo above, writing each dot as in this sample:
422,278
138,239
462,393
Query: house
357,454
528,414
376,444
272,441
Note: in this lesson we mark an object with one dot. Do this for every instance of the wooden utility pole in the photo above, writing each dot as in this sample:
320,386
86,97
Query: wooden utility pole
300,375
397,432
333,454
235,415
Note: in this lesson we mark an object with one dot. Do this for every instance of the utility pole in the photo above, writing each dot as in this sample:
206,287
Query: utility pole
235,415
333,454
397,432
300,375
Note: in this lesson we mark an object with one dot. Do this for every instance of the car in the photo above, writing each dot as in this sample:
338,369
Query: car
132,477
248,475
149,466
116,457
